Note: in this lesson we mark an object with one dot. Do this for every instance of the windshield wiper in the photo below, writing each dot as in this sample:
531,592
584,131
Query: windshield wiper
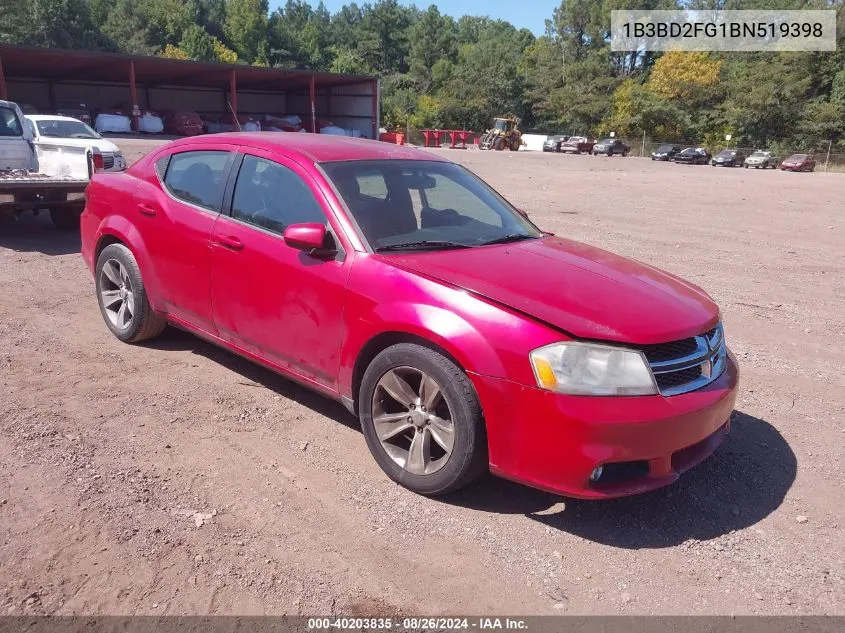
507,239
424,245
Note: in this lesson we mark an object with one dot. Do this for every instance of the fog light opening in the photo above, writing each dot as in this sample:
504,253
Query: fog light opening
596,474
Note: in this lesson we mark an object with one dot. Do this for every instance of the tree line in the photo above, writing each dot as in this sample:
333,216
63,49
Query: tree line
438,71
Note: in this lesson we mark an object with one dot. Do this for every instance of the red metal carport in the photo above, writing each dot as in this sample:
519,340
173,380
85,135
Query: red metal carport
45,76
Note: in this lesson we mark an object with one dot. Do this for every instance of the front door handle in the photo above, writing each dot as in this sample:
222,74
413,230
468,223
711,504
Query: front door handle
147,210
229,241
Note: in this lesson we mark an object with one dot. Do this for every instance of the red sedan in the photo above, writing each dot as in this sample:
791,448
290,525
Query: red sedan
463,337
798,162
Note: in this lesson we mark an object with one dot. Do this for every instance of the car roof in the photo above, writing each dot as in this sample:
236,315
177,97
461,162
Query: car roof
317,148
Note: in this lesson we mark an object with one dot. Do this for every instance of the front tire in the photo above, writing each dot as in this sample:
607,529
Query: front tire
123,298
422,420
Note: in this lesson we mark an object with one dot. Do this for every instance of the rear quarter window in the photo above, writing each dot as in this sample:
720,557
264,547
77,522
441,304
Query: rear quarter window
196,177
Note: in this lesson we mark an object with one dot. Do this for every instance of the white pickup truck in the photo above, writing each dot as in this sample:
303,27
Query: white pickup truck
40,175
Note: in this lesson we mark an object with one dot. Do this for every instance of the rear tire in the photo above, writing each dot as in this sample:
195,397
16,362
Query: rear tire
66,218
438,470
123,298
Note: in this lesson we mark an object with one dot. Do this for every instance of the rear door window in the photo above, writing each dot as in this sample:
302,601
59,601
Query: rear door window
198,177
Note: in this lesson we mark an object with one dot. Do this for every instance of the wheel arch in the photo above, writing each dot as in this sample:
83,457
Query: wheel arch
116,230
380,342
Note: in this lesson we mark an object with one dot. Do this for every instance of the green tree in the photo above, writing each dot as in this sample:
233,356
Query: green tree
127,24
52,24
383,36
167,20
301,36
432,38
198,44
246,28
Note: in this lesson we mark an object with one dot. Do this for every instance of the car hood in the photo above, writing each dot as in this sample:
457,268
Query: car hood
584,291
102,144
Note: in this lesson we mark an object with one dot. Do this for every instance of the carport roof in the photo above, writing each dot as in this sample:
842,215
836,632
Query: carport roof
63,65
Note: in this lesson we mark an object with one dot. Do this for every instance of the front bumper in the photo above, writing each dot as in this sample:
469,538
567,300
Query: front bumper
554,442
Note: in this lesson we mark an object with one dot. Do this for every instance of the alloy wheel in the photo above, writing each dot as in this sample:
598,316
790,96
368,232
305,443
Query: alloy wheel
116,294
413,421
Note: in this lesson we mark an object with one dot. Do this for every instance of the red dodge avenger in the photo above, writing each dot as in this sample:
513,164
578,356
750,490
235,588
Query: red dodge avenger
463,337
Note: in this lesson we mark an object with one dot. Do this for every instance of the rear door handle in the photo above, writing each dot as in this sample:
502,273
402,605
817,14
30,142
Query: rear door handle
146,210
229,241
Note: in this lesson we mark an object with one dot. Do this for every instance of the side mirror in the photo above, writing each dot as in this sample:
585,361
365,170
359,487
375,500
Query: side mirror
309,236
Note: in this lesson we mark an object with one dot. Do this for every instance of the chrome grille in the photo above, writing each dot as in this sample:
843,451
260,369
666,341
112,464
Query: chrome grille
688,364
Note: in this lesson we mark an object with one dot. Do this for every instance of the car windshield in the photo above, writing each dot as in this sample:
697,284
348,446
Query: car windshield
759,155
798,157
9,123
420,205
60,128
727,153
665,148
689,150
608,141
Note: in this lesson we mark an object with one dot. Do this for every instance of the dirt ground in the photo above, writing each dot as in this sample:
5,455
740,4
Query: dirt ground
175,478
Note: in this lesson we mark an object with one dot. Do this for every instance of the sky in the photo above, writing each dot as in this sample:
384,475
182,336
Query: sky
529,14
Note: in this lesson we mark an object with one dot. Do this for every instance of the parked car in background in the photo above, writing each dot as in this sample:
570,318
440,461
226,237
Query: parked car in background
728,158
210,124
665,152
760,159
552,144
74,109
577,145
113,122
245,123
72,132
282,123
183,123
150,123
798,162
693,156
614,387
610,146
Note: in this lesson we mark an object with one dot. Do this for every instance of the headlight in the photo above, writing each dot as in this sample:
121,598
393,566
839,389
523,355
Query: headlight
588,369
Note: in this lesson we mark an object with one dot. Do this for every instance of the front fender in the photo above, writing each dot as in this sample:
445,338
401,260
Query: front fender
119,227
483,337
447,330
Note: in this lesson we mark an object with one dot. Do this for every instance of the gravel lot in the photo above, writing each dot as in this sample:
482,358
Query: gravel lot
177,478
